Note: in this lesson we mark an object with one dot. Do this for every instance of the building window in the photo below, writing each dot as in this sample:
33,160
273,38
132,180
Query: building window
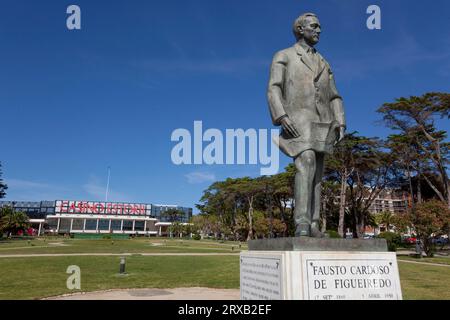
91,224
115,224
127,225
139,225
52,224
64,225
103,224
150,226
78,224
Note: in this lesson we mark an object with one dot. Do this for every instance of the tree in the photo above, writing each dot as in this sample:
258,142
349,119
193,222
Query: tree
12,221
265,227
415,118
172,215
241,229
429,218
363,168
223,200
410,161
339,167
175,229
375,171
386,218
188,228
200,223
3,186
249,189
330,209
232,203
282,192
207,224
261,225
279,227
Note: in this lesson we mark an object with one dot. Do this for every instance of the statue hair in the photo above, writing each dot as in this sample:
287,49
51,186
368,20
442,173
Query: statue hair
300,21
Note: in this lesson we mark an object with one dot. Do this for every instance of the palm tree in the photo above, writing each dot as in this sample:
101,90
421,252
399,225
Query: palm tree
12,221
386,218
3,185
173,216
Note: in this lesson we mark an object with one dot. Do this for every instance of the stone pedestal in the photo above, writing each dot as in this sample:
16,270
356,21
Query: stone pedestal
319,269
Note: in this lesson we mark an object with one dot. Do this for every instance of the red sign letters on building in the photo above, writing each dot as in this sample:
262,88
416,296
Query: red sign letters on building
88,207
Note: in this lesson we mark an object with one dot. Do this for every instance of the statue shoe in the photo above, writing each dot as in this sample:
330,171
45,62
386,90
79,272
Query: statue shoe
303,230
315,231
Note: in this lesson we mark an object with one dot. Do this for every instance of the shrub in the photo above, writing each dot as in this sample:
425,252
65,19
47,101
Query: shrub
333,234
430,249
393,240
196,236
431,217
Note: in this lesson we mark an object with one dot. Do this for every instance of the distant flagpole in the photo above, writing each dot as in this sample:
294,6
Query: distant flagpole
107,184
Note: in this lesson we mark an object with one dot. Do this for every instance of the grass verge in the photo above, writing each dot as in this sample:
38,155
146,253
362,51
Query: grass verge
33,278
423,282
445,261
140,245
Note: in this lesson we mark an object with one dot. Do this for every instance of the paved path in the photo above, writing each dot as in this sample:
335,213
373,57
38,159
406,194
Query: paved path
155,294
426,263
112,254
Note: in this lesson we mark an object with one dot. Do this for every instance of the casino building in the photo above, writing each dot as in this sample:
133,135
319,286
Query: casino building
90,217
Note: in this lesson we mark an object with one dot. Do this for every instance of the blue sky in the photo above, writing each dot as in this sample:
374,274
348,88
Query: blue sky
73,103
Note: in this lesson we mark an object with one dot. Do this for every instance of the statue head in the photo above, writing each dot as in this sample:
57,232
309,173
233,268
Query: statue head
307,27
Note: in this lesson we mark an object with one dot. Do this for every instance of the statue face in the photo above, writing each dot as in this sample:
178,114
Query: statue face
311,30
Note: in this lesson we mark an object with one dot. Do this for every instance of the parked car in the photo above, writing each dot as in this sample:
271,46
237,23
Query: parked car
440,240
410,240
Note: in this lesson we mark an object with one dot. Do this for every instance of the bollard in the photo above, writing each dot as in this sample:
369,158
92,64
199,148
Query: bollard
112,242
418,249
122,265
232,248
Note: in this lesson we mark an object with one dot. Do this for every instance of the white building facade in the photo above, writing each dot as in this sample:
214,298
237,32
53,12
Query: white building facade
96,217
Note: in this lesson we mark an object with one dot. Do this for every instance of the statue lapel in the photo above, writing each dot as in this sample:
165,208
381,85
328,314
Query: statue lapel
304,57
321,67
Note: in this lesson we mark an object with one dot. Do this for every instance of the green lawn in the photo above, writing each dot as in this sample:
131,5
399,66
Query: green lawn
31,278
438,260
424,282
38,277
139,245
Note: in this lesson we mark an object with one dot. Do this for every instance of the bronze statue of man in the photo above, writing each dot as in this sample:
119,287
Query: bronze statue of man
303,99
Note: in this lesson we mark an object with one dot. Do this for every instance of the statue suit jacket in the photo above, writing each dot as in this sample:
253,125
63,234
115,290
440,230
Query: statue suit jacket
307,94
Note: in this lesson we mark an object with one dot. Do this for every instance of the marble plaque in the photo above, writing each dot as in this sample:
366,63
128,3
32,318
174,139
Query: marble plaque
319,275
261,277
344,276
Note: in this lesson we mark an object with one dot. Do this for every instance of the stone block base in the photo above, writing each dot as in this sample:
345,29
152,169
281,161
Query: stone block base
319,275
318,244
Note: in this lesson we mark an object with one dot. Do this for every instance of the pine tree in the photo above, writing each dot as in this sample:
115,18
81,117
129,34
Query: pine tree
3,185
